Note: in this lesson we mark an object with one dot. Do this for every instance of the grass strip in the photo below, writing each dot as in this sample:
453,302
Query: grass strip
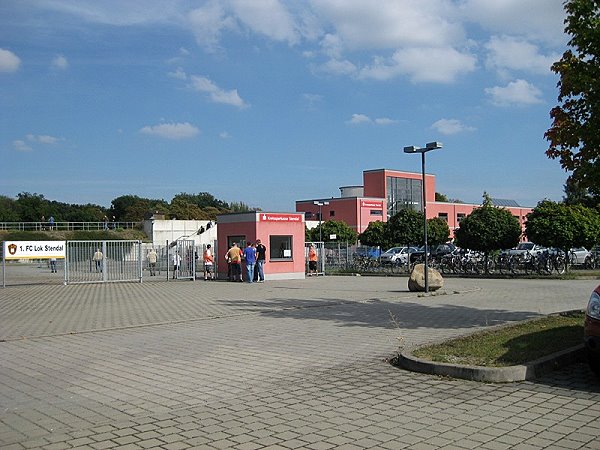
510,345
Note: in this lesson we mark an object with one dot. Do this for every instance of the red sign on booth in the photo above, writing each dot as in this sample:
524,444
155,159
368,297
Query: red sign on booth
267,217
365,204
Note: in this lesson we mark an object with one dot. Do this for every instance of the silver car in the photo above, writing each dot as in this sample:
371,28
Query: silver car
396,255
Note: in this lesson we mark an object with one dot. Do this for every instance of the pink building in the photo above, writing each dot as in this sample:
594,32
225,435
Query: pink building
385,192
281,233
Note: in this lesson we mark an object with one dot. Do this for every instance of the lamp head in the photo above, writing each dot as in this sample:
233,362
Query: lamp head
411,149
433,145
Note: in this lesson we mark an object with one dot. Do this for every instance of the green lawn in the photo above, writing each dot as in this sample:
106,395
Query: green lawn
511,345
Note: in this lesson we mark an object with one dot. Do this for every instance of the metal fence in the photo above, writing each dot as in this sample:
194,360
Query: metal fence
103,261
67,226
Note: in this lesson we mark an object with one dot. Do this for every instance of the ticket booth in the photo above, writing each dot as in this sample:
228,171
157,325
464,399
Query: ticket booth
281,233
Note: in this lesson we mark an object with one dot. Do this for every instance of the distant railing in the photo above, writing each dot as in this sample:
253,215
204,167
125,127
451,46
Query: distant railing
67,226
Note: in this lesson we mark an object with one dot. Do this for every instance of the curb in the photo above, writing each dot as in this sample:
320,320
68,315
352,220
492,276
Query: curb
534,369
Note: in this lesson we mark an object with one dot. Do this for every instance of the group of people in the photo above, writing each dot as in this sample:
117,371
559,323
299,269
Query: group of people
254,255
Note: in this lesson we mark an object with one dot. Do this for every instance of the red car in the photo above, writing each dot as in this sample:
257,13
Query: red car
591,331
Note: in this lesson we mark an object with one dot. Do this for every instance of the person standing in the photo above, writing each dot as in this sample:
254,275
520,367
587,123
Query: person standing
208,263
152,260
53,265
312,261
235,256
51,223
97,258
176,264
261,256
250,257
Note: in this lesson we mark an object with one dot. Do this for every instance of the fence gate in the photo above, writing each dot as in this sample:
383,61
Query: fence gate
103,261
182,255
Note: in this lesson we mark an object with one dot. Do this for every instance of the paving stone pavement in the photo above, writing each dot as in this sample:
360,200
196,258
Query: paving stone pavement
284,364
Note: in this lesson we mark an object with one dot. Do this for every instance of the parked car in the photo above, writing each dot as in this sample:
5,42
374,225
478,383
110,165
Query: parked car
577,256
591,331
396,255
367,252
437,250
525,247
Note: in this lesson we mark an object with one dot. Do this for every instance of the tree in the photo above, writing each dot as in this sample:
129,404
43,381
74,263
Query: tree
438,232
8,210
32,207
563,226
439,197
573,136
375,235
405,228
343,233
488,228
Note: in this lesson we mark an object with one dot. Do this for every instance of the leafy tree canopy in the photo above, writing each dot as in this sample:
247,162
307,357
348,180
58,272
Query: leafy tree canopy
406,228
341,230
375,235
573,137
488,228
563,226
438,231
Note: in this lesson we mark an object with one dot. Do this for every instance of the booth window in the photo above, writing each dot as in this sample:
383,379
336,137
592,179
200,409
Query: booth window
460,217
443,216
376,212
239,240
280,247
331,213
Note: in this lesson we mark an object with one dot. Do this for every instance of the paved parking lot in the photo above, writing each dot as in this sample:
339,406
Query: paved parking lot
284,364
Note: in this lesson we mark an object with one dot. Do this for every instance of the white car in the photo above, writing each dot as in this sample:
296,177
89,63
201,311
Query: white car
396,255
577,256
525,247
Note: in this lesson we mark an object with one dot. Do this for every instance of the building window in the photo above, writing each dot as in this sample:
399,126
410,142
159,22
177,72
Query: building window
376,212
280,247
308,215
332,213
460,216
443,216
403,193
239,240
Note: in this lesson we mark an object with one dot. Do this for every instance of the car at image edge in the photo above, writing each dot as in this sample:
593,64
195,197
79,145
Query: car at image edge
591,331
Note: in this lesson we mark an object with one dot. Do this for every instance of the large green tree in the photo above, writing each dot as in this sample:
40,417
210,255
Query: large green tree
574,138
563,226
375,235
488,228
438,232
405,228
343,233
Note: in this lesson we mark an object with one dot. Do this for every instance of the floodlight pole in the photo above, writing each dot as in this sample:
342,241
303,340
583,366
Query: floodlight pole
413,149
320,205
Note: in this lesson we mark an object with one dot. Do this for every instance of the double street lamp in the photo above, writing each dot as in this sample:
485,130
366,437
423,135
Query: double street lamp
320,205
422,150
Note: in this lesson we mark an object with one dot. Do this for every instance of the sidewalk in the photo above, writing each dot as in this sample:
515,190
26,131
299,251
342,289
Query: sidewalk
287,364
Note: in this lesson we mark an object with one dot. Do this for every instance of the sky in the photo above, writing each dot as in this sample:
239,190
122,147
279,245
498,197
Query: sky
267,102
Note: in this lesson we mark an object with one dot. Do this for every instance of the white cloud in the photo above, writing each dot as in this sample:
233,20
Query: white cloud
215,93
21,146
178,74
224,135
541,20
337,67
172,130
510,53
363,118
385,121
518,92
9,62
269,18
450,126
390,24
42,139
437,65
359,118
60,62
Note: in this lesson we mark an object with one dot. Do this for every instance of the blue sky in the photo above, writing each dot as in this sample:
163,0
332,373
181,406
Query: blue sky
270,101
